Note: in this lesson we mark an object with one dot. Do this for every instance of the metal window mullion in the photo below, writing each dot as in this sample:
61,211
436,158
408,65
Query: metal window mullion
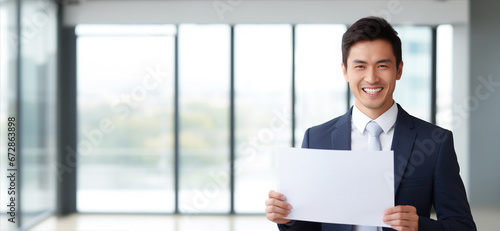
348,92
232,154
293,85
176,121
433,74
18,113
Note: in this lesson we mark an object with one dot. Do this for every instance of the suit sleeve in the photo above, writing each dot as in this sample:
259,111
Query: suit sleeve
450,200
301,226
305,141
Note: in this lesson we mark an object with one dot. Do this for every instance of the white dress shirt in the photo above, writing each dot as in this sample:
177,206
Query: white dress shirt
360,137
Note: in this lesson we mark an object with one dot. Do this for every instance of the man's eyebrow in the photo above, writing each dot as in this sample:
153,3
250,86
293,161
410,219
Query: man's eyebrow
385,61
358,61
380,61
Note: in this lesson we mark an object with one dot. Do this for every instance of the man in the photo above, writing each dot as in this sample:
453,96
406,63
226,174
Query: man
426,172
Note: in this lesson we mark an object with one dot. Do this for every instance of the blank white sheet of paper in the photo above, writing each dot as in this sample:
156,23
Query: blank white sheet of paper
344,187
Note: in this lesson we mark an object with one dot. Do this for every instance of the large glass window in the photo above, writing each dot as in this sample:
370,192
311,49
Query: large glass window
417,75
37,133
126,103
125,118
28,58
319,83
204,84
263,89
444,63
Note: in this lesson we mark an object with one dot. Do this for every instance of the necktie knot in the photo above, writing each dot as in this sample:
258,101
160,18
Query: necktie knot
374,129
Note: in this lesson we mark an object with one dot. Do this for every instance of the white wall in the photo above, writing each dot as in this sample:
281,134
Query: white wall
483,103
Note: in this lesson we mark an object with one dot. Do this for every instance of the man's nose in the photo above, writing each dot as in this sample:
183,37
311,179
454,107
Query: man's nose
371,76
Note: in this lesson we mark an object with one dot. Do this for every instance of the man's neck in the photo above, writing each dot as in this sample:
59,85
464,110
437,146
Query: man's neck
373,113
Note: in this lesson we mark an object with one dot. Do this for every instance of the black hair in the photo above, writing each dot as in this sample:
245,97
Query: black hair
369,29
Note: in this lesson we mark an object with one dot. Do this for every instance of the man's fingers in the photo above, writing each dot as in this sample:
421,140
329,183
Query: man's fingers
401,209
402,217
277,199
277,218
277,195
274,209
278,203
403,224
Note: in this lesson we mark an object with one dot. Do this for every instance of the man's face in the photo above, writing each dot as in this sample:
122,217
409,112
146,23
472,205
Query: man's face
372,73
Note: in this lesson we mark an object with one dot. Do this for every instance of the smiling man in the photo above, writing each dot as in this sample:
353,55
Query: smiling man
426,171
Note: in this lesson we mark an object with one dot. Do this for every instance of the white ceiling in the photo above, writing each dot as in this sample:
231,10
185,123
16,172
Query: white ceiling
427,12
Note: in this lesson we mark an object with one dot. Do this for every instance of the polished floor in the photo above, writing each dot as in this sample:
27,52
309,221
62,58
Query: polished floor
88,222
487,219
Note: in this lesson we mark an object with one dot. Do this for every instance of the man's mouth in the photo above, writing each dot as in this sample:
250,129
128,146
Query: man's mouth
372,91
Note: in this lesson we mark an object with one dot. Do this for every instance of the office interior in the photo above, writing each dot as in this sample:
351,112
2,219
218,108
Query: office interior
165,114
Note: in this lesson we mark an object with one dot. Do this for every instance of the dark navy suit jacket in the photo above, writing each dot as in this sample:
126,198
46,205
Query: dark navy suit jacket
426,172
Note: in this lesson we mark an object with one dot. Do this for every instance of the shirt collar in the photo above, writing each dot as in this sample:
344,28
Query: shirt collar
386,120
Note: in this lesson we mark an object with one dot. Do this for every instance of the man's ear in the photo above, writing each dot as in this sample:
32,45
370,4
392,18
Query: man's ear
344,71
400,71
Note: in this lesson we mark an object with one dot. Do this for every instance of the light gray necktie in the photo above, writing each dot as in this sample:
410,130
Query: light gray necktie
374,130
373,145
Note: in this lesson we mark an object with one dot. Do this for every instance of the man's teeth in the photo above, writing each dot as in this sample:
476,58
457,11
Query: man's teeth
372,90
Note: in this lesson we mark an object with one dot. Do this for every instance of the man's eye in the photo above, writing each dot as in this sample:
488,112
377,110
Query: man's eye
383,66
359,66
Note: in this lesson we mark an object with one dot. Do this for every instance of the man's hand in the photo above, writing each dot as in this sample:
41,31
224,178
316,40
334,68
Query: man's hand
402,218
277,208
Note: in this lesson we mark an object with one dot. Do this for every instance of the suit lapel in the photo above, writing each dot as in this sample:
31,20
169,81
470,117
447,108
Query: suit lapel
402,144
341,135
